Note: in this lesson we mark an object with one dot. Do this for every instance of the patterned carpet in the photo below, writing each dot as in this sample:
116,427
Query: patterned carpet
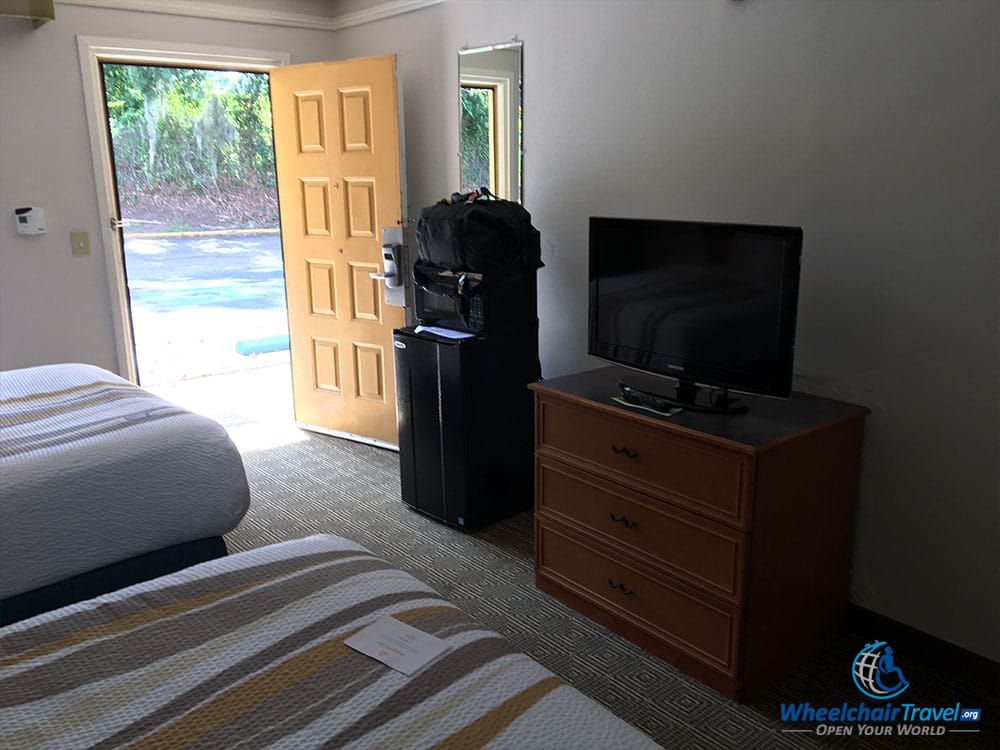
305,484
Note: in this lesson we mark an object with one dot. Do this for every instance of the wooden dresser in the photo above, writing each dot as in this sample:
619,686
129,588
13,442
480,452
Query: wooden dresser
720,543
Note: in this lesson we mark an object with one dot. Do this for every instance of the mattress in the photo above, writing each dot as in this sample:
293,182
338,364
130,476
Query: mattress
249,650
95,470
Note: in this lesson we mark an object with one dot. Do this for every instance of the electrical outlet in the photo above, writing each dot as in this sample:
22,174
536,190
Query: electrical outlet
79,240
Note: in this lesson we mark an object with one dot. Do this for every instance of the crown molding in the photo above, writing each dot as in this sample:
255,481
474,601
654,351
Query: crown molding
223,12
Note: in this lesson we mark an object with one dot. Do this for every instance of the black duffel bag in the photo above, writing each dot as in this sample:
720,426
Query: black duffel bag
478,232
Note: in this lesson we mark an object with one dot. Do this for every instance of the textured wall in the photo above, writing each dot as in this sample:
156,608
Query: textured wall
874,127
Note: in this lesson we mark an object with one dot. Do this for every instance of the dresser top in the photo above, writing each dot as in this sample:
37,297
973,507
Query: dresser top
767,420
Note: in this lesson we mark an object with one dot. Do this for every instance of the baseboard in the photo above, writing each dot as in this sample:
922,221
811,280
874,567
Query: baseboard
938,653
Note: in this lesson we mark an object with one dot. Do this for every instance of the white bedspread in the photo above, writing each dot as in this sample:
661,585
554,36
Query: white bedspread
94,470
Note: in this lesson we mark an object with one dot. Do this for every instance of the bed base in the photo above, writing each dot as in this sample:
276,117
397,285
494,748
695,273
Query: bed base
109,578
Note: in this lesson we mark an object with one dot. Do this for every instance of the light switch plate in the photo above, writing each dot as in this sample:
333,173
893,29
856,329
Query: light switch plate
80,242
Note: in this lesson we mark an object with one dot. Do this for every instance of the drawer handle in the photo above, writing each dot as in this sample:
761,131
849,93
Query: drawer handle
623,519
624,451
620,587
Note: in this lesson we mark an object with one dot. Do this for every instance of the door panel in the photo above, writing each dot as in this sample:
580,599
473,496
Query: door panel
337,150
315,207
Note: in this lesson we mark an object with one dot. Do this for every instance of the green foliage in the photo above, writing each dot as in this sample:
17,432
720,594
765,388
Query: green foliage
475,139
249,109
188,128
123,99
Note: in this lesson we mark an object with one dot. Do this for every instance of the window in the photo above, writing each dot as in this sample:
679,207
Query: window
479,137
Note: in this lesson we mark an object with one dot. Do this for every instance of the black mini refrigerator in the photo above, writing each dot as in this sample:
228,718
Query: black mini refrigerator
466,434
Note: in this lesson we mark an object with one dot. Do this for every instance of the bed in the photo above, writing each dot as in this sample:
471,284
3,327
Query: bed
248,650
102,484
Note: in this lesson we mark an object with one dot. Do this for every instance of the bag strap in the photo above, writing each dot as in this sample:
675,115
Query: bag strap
478,194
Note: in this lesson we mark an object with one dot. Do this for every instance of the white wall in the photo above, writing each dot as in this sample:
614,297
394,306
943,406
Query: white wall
872,125
875,127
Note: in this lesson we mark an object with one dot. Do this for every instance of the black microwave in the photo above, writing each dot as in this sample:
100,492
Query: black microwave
449,299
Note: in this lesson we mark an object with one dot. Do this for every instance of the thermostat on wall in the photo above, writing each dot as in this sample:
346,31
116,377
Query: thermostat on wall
30,220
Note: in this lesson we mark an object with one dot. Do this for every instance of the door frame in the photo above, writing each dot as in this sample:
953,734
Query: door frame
500,129
506,105
94,51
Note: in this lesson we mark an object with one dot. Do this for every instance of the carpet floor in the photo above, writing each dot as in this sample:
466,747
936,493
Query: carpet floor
304,484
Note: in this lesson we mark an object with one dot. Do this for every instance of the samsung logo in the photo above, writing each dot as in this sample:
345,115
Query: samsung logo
675,367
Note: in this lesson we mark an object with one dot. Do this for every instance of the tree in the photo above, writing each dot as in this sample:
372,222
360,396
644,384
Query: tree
213,132
189,131
475,154
249,107
151,94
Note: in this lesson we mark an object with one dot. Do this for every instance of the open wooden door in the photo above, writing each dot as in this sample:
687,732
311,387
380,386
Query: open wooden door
337,153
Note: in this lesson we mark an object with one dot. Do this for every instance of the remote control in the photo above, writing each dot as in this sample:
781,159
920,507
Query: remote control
641,398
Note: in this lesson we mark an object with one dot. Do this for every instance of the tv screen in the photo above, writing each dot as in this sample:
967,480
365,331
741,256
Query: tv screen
707,303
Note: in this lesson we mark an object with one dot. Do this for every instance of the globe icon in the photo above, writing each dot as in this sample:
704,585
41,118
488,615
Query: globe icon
875,674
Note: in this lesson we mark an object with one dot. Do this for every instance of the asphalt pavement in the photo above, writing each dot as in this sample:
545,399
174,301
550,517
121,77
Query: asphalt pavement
201,304
241,271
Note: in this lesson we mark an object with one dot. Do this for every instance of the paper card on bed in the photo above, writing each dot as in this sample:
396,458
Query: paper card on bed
398,645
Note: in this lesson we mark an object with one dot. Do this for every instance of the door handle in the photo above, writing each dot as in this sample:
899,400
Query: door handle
391,254
395,267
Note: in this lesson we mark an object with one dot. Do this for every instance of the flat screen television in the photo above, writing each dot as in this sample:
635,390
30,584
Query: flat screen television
707,304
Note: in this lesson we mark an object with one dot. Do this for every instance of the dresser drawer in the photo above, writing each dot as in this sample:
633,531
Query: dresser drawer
667,612
706,553
691,472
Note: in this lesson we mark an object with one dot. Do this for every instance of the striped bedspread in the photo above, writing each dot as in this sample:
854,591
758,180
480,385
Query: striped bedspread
100,404
248,651
95,470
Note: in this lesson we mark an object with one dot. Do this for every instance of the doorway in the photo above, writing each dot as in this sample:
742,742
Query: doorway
193,162
233,398
349,368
